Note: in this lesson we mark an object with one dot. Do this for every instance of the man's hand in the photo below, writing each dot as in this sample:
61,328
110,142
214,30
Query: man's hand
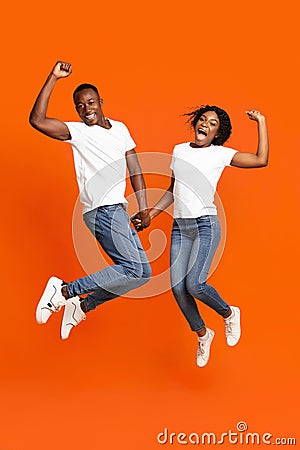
141,220
62,69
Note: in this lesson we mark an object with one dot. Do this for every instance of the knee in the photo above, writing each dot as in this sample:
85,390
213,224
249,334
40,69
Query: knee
179,290
139,271
195,288
134,271
147,272
140,276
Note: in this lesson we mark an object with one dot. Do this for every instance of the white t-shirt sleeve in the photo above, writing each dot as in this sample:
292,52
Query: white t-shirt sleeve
228,154
130,144
173,159
74,132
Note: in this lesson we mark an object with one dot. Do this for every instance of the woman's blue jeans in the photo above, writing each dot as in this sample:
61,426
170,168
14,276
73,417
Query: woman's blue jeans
111,227
194,243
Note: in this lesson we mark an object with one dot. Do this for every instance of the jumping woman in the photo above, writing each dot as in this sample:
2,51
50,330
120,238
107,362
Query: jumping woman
196,169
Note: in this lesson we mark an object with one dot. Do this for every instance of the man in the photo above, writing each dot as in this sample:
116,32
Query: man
102,148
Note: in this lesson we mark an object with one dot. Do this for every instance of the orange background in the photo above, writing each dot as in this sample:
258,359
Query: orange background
129,371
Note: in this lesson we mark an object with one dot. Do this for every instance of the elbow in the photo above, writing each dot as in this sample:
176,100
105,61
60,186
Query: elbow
263,164
33,120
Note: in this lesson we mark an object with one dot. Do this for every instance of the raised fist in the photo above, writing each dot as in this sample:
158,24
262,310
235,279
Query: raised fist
253,114
62,69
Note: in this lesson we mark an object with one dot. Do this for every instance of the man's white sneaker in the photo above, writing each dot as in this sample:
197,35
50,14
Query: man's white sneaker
51,301
73,315
233,326
204,343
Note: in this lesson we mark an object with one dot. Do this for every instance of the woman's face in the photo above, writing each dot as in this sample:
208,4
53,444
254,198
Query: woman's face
206,129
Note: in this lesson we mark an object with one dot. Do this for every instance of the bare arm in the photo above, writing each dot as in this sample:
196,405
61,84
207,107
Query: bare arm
162,204
165,201
53,128
260,159
139,187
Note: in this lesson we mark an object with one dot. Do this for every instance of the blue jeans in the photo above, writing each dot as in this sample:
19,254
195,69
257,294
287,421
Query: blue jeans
194,243
111,227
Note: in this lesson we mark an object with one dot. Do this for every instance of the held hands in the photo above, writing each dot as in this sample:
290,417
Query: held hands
62,69
253,114
141,220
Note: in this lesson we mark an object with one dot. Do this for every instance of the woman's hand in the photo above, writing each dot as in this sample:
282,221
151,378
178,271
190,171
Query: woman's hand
260,159
253,114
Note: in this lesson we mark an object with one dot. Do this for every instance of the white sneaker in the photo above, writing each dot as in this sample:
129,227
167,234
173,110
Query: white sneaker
203,350
73,315
51,301
233,326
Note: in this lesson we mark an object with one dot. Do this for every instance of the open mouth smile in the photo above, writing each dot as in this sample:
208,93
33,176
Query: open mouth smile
202,131
90,116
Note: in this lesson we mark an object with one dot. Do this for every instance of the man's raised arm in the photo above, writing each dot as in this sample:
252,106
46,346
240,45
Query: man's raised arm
53,128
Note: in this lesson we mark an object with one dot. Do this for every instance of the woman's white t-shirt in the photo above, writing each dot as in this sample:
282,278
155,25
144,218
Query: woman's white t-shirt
197,172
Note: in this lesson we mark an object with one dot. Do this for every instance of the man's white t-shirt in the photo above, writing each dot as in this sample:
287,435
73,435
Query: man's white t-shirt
100,164
197,172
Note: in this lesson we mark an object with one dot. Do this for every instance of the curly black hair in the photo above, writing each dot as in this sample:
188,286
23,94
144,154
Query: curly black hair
225,124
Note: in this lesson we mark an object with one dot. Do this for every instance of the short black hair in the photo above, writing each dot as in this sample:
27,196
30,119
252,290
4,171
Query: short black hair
83,86
225,124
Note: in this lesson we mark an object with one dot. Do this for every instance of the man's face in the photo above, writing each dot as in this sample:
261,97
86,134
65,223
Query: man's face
88,106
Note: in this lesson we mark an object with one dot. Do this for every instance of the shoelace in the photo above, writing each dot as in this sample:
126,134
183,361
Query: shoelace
201,349
229,326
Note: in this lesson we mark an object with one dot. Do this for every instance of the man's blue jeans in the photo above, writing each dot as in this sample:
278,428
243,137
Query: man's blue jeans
194,243
111,227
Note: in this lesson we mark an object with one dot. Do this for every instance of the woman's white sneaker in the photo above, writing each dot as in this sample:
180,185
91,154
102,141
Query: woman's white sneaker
203,351
73,315
233,326
51,301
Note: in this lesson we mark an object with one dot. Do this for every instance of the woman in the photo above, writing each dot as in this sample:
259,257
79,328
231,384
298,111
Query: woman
196,169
